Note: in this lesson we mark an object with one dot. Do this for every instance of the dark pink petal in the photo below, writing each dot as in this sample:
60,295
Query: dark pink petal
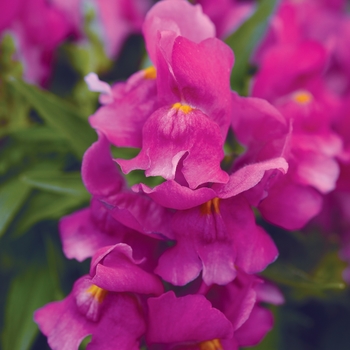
177,16
260,127
255,248
317,170
304,61
269,293
123,118
202,83
218,262
110,318
179,265
9,10
81,237
170,194
203,242
122,327
102,179
142,214
248,176
100,174
169,135
290,205
114,269
72,10
236,299
186,319
63,325
255,328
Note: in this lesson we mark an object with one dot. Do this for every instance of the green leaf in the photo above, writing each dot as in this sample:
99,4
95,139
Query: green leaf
36,134
45,206
29,290
245,39
12,196
293,277
57,182
60,116
85,342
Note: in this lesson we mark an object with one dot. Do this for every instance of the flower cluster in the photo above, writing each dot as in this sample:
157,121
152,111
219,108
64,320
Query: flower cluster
39,27
304,73
174,265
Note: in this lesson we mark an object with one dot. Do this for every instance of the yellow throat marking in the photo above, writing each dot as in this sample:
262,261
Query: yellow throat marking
211,345
183,108
302,97
150,73
98,293
212,206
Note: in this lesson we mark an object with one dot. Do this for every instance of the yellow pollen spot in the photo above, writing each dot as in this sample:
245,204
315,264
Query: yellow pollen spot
302,97
98,293
211,345
212,206
150,73
183,108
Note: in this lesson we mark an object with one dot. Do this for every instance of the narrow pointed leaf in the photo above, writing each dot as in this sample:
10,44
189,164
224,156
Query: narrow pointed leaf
293,277
46,206
28,291
12,196
57,182
60,116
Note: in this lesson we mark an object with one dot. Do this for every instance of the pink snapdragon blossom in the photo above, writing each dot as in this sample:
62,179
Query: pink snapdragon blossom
190,106
126,107
216,238
210,234
225,317
98,304
90,229
330,27
186,319
311,109
39,27
104,181
183,129
9,10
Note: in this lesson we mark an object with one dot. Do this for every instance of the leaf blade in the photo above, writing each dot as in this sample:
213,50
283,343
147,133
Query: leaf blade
12,196
63,118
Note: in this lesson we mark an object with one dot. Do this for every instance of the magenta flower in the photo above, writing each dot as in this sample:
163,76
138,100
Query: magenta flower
98,304
304,99
126,108
194,121
173,18
227,317
87,230
104,181
240,301
9,10
215,228
216,238
39,28
188,319
110,318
